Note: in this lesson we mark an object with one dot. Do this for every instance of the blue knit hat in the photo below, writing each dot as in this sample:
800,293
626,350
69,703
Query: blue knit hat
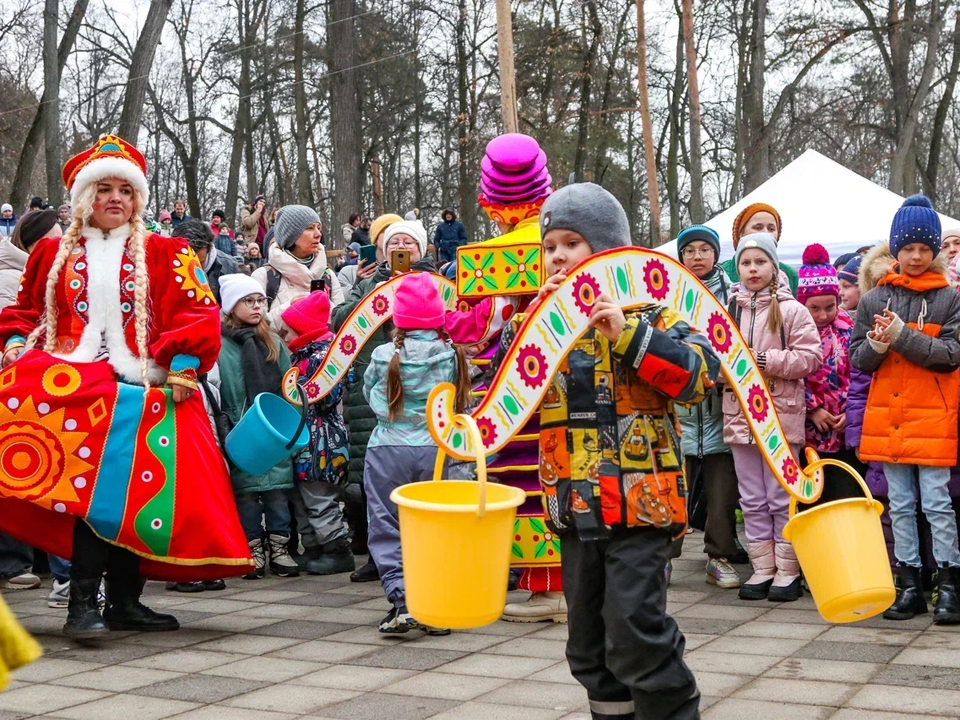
915,222
702,233
851,271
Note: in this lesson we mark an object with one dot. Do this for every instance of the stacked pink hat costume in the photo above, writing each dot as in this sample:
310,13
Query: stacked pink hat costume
514,180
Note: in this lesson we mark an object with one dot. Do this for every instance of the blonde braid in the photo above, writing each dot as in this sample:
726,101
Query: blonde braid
138,248
774,317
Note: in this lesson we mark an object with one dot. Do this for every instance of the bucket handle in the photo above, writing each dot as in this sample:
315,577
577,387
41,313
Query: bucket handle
303,416
819,463
470,425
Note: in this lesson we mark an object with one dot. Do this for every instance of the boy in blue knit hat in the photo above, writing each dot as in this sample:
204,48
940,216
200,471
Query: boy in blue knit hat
906,335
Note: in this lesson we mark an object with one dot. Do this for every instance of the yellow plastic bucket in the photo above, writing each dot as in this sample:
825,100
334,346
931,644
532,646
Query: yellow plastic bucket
455,537
841,549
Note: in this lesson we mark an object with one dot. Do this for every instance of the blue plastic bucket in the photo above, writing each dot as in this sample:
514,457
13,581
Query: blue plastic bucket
268,432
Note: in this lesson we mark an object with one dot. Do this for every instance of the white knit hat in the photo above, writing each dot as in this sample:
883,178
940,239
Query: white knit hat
413,228
235,287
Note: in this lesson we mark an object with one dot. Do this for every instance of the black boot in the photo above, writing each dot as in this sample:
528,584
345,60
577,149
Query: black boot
947,611
335,557
910,600
368,573
124,611
84,621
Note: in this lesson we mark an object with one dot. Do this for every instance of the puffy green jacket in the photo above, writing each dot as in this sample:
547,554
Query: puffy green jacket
360,419
233,400
702,424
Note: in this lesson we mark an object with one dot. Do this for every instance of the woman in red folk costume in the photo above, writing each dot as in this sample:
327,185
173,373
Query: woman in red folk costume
106,453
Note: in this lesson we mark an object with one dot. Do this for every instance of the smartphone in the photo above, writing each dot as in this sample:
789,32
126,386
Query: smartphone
368,254
400,261
318,284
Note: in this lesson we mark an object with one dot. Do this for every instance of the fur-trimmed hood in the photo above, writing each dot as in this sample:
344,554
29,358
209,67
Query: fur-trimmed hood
879,261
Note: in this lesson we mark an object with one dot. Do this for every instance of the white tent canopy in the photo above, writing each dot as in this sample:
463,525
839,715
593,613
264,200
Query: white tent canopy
820,201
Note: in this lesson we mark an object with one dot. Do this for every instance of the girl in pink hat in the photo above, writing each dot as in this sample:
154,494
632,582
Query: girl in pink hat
397,382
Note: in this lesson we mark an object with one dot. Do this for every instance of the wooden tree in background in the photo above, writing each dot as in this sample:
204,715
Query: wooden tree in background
693,86
653,190
140,65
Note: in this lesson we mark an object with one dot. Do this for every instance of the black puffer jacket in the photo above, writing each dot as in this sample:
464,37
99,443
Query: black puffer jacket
359,417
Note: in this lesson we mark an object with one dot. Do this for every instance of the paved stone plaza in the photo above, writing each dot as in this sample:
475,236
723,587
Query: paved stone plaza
308,647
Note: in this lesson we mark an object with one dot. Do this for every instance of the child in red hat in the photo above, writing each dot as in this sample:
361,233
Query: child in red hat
321,468
397,382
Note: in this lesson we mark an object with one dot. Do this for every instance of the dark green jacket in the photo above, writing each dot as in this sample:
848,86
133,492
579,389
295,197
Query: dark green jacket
359,417
233,401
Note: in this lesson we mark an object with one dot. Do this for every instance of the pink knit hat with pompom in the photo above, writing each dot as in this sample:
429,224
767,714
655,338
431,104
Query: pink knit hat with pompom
817,276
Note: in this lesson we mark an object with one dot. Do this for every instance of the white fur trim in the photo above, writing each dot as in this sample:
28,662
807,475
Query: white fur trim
105,318
107,167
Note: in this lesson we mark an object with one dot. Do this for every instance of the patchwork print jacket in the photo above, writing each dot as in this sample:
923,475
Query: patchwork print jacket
609,445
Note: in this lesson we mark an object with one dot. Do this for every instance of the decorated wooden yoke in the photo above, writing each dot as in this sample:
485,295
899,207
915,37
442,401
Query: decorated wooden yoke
632,277
372,312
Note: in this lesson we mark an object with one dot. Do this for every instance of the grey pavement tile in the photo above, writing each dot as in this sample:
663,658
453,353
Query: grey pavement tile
105,654
506,629
328,599
587,716
529,693
40,698
219,712
857,652
551,631
184,637
704,660
488,711
789,631
131,707
529,647
808,617
375,706
300,629
323,651
368,590
229,623
695,640
268,596
273,670
202,688
930,657
444,686
216,606
743,709
918,622
278,611
352,677
466,642
559,673
408,658
940,678
706,626
186,660
938,637
794,668
755,646
742,612
10,715
116,678
879,636
47,668
42,624
855,714
291,698
720,685
247,644
349,615
502,666
185,615
799,692
370,635
944,703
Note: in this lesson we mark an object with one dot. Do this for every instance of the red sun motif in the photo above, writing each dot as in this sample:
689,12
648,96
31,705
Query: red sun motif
488,431
718,331
790,470
655,278
348,345
532,366
757,403
380,305
585,292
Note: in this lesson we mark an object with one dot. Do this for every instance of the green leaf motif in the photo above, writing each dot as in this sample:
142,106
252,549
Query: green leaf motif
541,549
537,526
517,551
556,546
471,283
516,526
489,282
622,280
467,262
557,324
514,279
511,258
773,442
487,261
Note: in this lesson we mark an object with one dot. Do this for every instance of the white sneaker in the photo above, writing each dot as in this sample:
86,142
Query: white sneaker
23,581
59,596
722,574
539,607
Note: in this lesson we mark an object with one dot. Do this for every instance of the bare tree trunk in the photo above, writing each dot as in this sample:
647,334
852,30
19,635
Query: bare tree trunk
378,186
653,190
673,144
140,65
508,87
464,186
304,190
321,200
345,125
51,111
738,112
940,119
583,122
28,154
696,162
757,145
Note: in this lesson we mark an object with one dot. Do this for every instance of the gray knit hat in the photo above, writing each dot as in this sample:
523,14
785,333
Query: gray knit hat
589,210
292,220
758,241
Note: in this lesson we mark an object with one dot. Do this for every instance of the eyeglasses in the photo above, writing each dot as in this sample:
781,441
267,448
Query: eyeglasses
253,301
691,252
396,244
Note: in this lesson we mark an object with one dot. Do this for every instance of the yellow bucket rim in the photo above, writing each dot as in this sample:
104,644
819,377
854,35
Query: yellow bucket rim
519,496
806,514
